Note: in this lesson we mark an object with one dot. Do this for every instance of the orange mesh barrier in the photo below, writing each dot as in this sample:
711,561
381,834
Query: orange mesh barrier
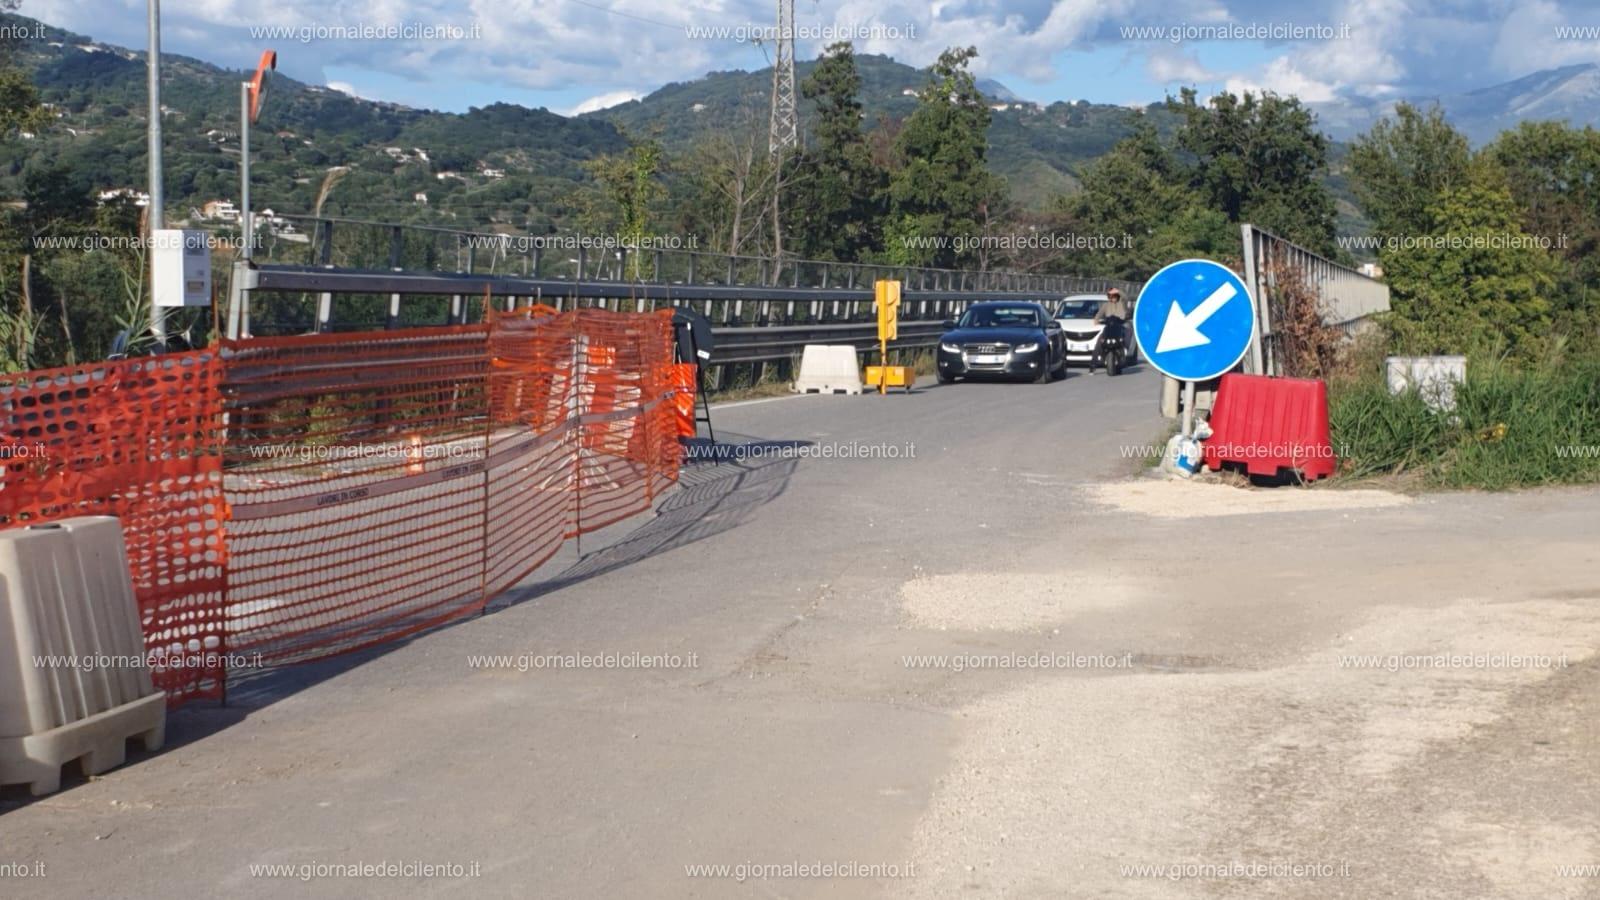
383,483
356,482
624,411
299,497
533,387
139,439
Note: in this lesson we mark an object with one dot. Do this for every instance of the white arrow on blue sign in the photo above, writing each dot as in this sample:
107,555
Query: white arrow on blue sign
1194,320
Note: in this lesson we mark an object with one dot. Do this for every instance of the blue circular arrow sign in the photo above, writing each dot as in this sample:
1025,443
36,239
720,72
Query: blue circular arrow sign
1194,320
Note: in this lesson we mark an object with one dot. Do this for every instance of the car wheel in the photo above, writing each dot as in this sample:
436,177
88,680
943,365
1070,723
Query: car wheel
945,379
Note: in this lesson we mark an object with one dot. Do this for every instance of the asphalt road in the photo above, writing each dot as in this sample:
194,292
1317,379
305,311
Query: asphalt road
852,675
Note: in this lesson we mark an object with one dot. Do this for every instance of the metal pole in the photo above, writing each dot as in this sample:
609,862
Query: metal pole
1252,282
245,222
1188,409
154,215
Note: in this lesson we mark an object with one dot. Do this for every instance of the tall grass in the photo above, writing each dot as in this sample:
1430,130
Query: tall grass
1513,426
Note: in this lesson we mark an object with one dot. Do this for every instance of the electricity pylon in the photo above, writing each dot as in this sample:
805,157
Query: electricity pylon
785,134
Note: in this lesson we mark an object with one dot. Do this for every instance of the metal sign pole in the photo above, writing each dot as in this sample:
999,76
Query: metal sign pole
1188,409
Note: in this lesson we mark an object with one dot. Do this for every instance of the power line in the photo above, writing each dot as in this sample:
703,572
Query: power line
627,15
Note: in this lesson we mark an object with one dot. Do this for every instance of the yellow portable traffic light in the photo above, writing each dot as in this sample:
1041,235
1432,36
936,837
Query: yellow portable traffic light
887,302
888,306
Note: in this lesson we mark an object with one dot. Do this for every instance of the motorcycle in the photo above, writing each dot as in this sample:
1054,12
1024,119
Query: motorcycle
1112,349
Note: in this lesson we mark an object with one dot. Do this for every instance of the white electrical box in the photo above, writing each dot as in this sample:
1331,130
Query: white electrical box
180,267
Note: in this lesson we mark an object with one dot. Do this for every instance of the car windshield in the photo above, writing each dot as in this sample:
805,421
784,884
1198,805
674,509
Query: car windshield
1078,309
1000,317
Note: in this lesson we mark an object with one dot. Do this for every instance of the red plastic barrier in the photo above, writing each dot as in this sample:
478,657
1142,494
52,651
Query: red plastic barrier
1270,424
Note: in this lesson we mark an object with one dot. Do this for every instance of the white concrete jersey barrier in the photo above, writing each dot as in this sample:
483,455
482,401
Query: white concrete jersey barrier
829,369
75,682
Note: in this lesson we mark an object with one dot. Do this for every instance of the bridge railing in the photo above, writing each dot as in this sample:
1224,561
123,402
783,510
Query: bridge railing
332,274
1344,296
360,244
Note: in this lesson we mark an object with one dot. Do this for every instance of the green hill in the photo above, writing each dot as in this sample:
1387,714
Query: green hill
1039,149
501,165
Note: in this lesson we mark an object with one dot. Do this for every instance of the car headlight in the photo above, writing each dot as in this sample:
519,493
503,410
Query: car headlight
949,348
1026,348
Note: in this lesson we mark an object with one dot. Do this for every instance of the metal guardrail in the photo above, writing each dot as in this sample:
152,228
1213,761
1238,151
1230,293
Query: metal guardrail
750,345
367,275
361,244
1347,298
752,324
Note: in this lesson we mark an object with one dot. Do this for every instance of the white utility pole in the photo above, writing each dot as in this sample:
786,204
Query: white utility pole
154,216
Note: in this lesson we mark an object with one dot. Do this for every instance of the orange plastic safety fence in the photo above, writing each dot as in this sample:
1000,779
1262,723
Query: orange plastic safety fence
625,413
533,388
356,481
382,483
139,439
582,436
293,498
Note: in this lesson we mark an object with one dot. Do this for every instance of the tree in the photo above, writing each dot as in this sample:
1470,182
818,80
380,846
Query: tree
1474,279
20,109
1403,165
1260,159
1554,176
1138,206
942,186
834,201
630,189
726,181
20,320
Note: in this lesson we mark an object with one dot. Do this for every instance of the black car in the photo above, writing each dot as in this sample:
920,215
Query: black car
1005,338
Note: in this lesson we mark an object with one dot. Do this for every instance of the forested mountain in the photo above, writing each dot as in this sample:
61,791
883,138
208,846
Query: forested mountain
1039,149
500,164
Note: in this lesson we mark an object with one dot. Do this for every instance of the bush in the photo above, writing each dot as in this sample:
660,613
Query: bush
1512,427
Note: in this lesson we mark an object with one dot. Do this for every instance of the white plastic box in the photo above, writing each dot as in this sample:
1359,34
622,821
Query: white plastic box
180,267
73,683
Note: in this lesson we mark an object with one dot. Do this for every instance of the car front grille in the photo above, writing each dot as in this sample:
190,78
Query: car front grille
1081,335
987,348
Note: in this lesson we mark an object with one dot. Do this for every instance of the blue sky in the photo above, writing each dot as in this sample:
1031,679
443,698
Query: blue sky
583,54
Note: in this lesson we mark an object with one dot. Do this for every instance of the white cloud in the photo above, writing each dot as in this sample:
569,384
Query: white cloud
1360,55
604,101
1281,77
1170,66
344,87
1529,41
1396,46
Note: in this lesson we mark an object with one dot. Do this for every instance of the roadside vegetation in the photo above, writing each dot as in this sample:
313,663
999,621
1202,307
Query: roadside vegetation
1491,255
1513,425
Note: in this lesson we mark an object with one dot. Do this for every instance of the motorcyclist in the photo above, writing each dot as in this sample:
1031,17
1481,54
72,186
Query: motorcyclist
1113,312
1112,307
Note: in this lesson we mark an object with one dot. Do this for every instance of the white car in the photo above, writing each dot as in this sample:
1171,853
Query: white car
1082,332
